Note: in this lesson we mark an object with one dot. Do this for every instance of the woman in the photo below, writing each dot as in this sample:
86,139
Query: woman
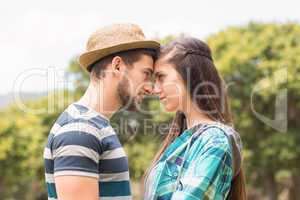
201,156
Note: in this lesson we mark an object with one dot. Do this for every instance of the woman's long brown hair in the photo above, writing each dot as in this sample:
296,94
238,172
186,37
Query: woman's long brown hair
193,60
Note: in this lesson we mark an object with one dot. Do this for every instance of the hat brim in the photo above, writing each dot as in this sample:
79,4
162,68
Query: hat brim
90,57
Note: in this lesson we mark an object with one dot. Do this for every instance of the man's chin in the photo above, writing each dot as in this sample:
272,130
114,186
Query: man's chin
138,100
132,105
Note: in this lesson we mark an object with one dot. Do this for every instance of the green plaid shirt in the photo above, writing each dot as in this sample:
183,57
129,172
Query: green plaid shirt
207,165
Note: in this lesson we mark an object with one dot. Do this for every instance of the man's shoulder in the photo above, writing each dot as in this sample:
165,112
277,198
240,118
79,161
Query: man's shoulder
78,113
76,119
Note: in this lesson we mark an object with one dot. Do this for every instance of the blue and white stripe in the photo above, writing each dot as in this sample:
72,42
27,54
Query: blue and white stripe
82,142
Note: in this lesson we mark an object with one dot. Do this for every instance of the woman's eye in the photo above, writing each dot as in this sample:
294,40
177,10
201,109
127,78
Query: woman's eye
160,77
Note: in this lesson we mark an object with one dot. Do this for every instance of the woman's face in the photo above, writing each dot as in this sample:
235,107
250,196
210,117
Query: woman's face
169,86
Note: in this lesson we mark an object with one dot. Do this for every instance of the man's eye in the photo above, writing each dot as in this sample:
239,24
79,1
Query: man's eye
147,73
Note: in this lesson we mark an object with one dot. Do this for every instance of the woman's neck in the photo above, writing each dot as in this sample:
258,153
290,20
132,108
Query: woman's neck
195,116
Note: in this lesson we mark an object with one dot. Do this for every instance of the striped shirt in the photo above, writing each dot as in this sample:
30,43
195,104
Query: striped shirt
196,166
83,143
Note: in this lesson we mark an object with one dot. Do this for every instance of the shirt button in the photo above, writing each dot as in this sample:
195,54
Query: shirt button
175,174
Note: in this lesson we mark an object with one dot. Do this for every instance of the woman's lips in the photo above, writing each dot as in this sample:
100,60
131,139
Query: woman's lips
162,98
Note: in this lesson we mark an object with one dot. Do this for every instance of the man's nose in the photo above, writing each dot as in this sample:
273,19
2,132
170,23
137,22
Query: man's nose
148,88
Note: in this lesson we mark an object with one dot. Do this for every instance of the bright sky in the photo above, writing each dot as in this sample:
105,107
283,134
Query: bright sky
36,35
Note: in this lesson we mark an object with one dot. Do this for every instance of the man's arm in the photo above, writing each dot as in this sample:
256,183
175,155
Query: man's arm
76,151
76,188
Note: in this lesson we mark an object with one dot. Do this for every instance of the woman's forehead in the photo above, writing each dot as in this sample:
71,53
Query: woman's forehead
161,64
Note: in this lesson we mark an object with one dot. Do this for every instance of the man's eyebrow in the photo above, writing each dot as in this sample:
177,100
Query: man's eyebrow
149,70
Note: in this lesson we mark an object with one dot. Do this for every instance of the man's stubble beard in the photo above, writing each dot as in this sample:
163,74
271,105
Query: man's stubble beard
124,96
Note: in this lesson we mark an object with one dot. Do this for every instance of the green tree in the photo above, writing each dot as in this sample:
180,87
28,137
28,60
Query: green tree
262,61
23,134
257,60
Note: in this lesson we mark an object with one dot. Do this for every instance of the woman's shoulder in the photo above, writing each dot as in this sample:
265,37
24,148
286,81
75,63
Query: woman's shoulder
213,131
220,136
213,135
217,134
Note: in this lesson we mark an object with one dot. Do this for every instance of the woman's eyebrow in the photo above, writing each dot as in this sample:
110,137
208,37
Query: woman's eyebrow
157,73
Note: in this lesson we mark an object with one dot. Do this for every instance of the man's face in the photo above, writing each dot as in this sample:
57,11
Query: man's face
137,82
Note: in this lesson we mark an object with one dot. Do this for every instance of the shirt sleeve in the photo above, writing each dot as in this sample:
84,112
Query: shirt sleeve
209,172
76,150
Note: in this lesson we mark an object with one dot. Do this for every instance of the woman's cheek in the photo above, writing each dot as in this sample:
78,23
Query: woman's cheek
173,99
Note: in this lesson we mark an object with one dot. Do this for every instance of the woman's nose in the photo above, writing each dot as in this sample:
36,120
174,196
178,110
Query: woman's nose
156,89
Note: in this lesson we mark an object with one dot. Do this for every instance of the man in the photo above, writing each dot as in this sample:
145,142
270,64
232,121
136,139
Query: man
84,159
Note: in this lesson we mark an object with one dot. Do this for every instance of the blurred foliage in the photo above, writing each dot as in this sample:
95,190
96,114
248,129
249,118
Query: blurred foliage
261,61
257,60
23,134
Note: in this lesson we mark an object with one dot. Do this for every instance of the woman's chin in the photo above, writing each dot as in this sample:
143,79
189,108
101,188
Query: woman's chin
169,107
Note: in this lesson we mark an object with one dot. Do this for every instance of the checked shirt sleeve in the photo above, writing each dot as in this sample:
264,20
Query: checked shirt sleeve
209,168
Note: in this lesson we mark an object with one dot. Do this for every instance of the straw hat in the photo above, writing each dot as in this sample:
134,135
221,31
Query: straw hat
112,39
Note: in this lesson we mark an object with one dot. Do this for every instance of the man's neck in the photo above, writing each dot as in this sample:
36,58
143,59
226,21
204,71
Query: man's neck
101,100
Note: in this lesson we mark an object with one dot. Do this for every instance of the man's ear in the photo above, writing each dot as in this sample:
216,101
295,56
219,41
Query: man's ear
116,63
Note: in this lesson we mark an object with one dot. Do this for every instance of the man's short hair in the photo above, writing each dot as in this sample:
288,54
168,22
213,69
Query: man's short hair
129,57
